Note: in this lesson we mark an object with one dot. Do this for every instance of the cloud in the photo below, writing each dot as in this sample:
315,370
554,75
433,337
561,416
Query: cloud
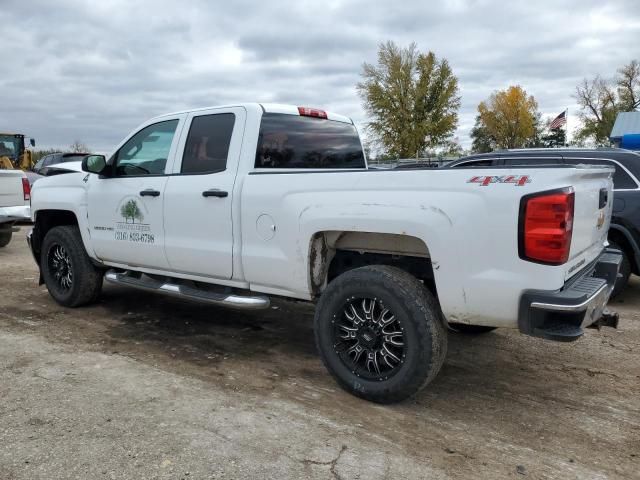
94,70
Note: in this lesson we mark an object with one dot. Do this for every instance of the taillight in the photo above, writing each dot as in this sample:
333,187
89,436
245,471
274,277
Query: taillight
546,224
26,189
312,112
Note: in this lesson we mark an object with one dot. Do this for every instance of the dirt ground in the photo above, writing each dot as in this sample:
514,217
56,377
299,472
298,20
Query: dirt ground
142,386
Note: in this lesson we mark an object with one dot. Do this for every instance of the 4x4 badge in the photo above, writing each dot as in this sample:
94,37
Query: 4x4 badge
486,180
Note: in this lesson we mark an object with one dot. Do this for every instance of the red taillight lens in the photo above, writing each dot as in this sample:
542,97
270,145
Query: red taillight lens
26,189
312,112
546,224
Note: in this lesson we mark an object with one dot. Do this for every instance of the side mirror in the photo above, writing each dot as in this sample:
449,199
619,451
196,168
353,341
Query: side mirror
32,142
94,164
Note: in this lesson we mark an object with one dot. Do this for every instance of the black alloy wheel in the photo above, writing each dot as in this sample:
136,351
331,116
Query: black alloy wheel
60,266
369,339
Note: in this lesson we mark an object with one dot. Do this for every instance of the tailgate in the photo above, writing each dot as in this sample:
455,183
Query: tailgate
11,193
592,215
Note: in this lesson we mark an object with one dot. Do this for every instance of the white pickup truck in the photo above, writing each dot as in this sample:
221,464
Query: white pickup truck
234,204
15,193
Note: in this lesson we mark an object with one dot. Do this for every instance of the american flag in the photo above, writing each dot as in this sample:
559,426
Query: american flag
559,121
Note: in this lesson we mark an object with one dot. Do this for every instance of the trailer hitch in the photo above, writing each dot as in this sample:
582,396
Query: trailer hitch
608,319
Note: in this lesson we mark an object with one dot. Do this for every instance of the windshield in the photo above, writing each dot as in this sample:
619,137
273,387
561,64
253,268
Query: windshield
71,158
10,146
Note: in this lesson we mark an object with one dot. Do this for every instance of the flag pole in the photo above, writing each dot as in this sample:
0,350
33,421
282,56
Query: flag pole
566,127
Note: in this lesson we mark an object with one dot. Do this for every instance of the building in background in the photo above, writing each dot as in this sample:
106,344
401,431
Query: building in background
626,131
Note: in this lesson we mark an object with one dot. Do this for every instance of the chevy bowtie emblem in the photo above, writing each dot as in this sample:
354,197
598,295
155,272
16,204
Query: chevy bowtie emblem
600,221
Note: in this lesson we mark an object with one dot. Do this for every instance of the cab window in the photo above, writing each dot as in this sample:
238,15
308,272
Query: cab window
147,151
292,141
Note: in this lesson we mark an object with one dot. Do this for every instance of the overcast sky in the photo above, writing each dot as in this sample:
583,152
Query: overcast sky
94,70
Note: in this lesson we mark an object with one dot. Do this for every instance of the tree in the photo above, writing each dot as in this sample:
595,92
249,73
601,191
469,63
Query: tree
554,138
537,140
78,147
601,100
507,119
483,142
412,99
130,210
452,148
628,83
598,102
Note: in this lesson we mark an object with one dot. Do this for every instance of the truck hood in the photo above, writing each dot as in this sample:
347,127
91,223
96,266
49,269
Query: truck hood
68,166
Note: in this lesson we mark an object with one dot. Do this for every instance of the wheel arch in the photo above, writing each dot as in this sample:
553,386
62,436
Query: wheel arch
624,238
333,252
45,220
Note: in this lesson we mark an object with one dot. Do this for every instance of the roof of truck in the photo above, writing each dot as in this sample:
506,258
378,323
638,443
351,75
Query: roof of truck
267,108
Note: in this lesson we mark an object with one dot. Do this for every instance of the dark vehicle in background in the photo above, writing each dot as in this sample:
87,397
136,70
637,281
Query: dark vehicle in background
55,158
624,232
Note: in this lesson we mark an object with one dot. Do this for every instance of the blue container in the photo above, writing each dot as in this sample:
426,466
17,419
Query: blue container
631,141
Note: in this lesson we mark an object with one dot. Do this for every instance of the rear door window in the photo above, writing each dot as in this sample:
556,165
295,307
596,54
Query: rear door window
292,141
621,179
207,144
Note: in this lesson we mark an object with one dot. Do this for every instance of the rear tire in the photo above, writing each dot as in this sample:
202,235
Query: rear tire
470,329
71,278
625,272
380,333
5,238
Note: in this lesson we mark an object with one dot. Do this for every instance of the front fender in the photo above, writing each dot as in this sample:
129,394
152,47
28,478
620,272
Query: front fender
64,193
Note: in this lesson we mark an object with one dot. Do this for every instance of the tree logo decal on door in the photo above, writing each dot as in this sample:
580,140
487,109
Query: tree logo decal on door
130,210
131,228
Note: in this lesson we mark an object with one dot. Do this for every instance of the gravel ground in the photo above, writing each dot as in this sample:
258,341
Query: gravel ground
142,386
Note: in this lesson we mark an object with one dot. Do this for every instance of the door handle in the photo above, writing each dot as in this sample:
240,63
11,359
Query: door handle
214,192
149,193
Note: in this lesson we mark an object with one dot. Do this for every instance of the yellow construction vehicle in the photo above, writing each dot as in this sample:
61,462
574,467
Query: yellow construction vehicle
13,152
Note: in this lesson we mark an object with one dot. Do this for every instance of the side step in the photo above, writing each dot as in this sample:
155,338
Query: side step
254,302
560,332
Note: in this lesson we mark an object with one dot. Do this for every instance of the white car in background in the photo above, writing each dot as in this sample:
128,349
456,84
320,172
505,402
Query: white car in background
15,197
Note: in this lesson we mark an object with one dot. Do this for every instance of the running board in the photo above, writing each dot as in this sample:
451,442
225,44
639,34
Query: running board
256,302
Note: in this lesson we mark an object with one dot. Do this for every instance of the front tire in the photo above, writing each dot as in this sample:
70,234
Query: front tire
5,238
71,278
380,333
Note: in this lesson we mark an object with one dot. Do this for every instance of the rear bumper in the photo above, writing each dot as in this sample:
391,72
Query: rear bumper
562,315
14,214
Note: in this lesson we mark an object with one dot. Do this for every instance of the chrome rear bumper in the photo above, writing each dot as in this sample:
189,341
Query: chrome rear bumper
563,315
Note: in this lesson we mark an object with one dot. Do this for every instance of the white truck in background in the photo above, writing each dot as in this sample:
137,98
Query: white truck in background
15,194
231,205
